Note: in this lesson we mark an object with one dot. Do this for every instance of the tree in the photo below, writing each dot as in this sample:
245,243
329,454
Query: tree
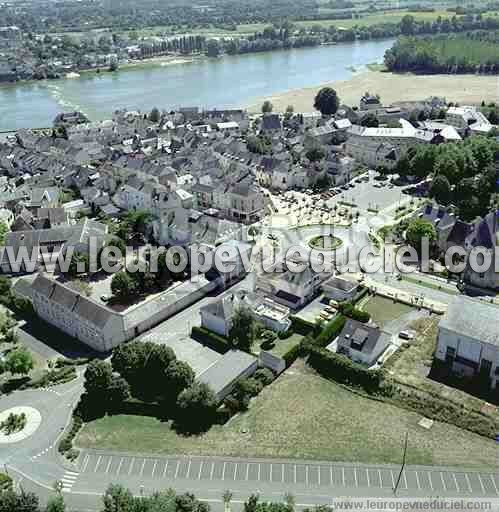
179,376
56,504
227,498
420,230
98,378
118,499
242,332
370,120
122,285
19,362
79,264
441,190
196,406
3,232
113,64
267,107
188,503
327,101
316,153
154,115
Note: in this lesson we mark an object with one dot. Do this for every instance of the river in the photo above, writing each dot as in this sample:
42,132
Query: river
229,81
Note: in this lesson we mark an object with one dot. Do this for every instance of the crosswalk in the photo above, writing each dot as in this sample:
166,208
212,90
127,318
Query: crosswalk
68,480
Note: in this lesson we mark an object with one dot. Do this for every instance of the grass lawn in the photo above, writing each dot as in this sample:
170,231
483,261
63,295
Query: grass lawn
383,310
302,415
282,346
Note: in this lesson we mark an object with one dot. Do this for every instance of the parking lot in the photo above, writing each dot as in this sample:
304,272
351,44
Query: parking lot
287,472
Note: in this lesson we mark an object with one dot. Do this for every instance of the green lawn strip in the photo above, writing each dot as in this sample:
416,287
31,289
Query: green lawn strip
302,415
432,286
383,310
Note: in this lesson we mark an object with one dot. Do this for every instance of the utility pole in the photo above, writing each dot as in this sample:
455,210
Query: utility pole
403,463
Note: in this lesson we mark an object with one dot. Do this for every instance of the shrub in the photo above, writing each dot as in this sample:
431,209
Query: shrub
210,339
349,310
330,331
284,335
264,375
301,326
5,482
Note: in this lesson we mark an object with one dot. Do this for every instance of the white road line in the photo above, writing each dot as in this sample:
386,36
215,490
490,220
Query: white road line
235,471
379,476
306,474
119,466
368,479
417,480
331,474
318,475
393,479
355,477
468,482
109,464
430,480
294,472
343,476
258,472
154,468
443,483
87,459
247,470
98,462
176,469
223,472
200,469
188,468
481,483
494,483
271,471
405,479
212,469
455,481
165,468
131,466
142,468
282,473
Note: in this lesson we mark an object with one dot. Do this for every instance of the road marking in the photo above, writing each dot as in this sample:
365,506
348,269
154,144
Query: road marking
271,471
165,468
481,483
223,472
368,481
494,483
443,483
247,470
355,476
393,479
154,468
87,460
188,468
142,468
417,480
430,480
306,474
331,474
343,476
119,466
282,473
294,472
131,466
455,481
200,469
405,479
235,471
98,462
109,464
176,469
212,469
468,482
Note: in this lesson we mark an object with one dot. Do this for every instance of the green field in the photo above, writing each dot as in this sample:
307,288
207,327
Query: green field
302,415
479,52
383,310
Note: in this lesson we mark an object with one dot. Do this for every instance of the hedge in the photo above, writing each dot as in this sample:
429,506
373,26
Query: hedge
66,443
5,482
331,330
211,339
341,369
292,354
301,326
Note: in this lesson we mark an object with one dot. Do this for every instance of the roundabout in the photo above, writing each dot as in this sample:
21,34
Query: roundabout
32,422
325,242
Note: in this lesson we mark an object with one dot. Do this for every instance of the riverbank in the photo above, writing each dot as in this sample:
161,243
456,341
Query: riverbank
392,87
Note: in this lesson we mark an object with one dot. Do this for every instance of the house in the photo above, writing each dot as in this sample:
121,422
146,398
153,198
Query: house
468,117
217,316
271,123
362,343
443,221
468,339
340,288
223,375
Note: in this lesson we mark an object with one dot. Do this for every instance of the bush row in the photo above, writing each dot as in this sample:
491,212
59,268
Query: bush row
341,369
246,389
66,443
52,377
210,339
62,361
349,310
330,331
301,326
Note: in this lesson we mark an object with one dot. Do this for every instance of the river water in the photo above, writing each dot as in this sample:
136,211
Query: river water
230,81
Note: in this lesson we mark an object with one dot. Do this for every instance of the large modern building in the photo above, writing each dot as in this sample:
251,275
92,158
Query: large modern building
468,339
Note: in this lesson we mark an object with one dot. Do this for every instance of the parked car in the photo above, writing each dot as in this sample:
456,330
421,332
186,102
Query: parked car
406,335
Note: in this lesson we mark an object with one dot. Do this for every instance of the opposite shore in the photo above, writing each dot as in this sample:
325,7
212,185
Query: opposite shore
392,87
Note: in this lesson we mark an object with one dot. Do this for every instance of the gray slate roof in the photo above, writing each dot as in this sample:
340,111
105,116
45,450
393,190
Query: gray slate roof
471,318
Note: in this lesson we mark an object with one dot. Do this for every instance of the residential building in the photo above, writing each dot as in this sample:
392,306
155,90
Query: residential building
468,339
